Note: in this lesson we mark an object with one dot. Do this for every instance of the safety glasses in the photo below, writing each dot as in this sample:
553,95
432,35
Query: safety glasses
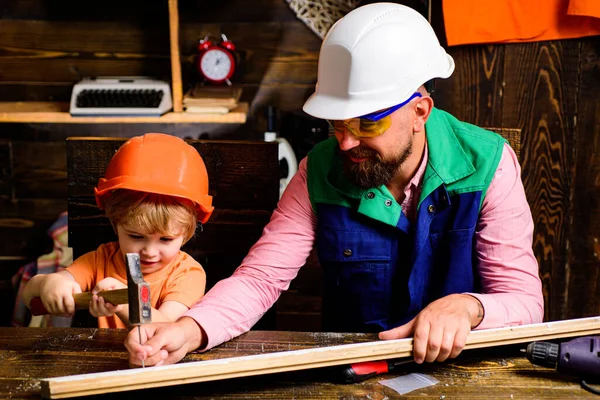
369,125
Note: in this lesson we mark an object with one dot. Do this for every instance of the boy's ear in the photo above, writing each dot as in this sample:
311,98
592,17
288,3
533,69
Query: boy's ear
114,227
198,226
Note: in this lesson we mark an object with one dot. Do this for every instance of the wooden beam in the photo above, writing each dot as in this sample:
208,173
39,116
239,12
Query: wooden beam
176,84
51,112
200,371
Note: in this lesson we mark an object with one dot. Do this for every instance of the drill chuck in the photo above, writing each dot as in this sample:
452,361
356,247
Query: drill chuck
544,354
579,357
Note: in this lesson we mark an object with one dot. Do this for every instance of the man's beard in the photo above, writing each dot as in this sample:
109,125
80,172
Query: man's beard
374,171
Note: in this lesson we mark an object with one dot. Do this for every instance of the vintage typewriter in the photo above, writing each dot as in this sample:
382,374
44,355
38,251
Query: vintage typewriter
120,96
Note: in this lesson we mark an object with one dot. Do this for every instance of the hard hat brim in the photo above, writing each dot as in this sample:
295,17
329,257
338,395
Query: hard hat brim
325,106
203,206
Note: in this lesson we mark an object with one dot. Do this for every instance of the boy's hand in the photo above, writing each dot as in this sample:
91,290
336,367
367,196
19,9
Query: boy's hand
98,306
57,293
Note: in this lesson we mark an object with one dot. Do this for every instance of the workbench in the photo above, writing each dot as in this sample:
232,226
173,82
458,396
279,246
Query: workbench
30,354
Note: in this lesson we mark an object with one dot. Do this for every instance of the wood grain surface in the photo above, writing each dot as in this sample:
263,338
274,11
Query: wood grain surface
547,90
28,355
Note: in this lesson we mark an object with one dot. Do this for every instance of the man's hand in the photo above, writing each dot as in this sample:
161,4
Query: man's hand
163,343
440,330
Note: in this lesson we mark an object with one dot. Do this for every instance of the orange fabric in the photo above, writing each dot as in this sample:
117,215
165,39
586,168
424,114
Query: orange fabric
515,21
590,8
183,280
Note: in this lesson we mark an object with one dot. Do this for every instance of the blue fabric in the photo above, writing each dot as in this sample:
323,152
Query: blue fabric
380,269
378,277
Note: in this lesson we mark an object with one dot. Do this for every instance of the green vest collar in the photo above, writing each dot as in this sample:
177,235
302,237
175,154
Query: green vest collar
447,161
377,203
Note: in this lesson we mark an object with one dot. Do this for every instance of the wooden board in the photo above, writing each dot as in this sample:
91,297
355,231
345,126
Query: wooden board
40,112
175,58
117,381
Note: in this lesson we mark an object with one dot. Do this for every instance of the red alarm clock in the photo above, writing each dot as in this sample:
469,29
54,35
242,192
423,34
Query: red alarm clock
216,62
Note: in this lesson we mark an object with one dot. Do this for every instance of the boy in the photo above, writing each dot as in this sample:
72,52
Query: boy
154,193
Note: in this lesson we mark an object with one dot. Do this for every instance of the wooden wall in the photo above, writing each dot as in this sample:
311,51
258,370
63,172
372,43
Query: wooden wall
548,90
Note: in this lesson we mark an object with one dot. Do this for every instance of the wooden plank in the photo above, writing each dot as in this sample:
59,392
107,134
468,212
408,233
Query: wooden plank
584,246
6,169
45,51
35,91
540,98
40,169
108,382
129,11
27,241
175,60
237,10
46,40
49,112
475,90
33,209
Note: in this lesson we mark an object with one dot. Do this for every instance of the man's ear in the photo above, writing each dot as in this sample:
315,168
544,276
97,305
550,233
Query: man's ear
422,111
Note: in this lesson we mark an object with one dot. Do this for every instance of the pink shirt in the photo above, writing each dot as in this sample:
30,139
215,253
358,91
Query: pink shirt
510,284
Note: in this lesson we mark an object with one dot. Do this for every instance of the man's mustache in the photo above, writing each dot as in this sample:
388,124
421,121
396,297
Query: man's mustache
360,153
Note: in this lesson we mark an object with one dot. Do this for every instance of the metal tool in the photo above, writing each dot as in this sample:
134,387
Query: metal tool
140,309
358,372
579,357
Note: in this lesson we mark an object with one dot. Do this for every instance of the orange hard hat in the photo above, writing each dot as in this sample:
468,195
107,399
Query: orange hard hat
162,164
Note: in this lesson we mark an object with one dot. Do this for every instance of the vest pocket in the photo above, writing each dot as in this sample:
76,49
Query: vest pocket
453,269
457,236
358,278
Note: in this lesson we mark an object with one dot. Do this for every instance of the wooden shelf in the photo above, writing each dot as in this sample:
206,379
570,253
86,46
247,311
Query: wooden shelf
58,113
48,112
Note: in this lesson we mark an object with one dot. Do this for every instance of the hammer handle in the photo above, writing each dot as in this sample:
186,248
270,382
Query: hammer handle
82,300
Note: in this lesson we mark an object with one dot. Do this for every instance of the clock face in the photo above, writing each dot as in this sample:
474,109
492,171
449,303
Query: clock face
216,65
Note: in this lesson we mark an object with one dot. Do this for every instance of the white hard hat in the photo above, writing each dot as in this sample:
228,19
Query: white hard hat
375,57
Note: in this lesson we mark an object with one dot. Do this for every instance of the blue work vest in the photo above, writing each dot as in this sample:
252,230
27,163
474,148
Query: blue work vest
381,270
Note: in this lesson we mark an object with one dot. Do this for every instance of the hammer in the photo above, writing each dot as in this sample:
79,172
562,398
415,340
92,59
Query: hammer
137,295
140,309
137,290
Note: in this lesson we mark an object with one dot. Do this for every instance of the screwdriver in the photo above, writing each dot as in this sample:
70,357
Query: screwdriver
358,372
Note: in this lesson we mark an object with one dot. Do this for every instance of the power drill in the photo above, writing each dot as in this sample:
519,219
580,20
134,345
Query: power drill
580,357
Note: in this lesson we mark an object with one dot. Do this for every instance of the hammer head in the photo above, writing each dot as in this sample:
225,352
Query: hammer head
140,308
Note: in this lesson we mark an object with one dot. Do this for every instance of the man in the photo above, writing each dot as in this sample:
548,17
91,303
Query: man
420,221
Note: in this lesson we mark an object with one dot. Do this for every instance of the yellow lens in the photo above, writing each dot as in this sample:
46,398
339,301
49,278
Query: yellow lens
361,127
374,128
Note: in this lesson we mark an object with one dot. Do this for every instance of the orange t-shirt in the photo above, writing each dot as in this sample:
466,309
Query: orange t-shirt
183,280
516,21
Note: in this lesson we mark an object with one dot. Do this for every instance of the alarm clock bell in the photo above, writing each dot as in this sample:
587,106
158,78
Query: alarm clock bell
216,62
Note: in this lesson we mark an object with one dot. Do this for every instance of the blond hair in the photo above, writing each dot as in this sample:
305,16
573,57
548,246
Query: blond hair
151,212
